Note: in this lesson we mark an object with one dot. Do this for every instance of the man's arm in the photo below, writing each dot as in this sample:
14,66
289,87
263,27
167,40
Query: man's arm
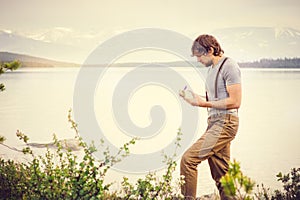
233,101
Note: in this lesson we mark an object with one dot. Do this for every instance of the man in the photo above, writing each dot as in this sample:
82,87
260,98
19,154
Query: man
223,98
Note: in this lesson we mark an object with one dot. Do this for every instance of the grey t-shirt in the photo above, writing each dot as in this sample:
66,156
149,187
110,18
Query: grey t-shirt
230,74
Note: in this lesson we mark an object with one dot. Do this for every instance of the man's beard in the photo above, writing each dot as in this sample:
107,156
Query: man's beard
209,63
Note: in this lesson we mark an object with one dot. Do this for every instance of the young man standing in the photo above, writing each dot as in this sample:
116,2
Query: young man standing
223,98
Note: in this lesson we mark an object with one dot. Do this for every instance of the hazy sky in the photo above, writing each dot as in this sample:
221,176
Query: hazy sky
188,17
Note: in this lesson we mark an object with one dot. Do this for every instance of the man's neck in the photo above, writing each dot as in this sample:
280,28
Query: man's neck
216,60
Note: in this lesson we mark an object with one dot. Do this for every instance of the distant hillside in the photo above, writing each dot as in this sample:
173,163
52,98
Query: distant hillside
13,42
31,61
247,44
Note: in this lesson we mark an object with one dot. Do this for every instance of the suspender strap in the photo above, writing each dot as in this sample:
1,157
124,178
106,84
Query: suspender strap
216,81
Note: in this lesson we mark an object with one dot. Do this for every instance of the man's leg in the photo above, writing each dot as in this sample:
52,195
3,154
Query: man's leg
219,164
220,132
188,168
199,151
219,161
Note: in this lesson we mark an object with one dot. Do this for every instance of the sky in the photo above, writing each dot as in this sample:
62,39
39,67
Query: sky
187,17
98,20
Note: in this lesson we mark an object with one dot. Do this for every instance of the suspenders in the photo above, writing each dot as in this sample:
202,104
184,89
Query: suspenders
216,81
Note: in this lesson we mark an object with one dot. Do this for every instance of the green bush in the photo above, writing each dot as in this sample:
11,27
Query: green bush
13,179
263,193
62,175
154,187
58,175
236,185
291,185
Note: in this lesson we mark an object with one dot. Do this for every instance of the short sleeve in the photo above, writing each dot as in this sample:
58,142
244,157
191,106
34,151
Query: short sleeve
231,72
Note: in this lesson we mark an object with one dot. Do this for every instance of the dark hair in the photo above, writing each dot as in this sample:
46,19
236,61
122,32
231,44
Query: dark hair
208,41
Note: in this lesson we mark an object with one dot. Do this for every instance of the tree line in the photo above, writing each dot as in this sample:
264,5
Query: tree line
272,63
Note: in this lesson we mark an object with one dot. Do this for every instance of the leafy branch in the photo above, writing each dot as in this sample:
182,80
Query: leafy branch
236,185
4,67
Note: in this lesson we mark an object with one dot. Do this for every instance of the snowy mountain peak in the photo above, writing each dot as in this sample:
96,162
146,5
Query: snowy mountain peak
7,31
57,34
241,43
285,32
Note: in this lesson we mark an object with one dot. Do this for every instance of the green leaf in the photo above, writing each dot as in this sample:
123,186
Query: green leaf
12,65
2,139
2,87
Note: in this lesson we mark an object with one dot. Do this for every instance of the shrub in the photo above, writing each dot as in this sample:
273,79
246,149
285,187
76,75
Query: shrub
236,185
291,185
262,193
13,179
154,187
59,174
62,175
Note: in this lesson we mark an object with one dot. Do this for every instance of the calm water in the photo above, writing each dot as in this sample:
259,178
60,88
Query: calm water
36,101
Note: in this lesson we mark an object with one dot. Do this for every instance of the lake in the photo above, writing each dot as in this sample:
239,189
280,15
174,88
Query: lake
36,102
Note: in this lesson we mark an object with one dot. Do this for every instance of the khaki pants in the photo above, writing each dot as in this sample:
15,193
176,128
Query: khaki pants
214,145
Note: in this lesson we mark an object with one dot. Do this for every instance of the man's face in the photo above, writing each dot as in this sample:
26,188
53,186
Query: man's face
204,58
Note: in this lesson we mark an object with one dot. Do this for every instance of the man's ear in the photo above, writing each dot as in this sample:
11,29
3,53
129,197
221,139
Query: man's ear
211,50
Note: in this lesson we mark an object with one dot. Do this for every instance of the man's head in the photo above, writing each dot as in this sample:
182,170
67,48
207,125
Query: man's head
206,47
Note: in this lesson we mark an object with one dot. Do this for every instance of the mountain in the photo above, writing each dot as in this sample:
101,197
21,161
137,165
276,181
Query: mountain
31,61
254,43
12,42
241,43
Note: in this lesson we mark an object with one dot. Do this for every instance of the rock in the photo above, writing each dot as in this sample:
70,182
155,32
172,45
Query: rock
212,196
